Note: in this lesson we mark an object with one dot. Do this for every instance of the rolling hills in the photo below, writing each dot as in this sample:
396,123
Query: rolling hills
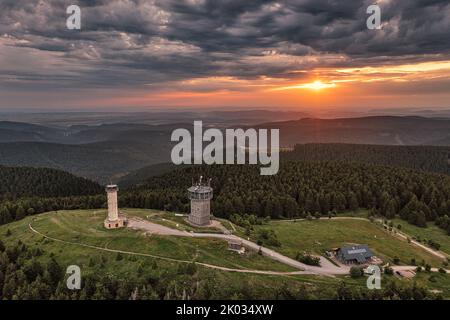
382,130
19,131
108,151
102,162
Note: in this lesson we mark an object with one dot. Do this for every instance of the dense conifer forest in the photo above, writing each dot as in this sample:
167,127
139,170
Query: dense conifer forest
26,191
300,189
19,182
426,158
303,188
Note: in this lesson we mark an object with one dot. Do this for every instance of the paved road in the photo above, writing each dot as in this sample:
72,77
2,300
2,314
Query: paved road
326,268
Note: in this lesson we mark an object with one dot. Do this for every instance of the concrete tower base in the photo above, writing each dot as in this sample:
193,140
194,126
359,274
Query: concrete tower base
119,223
200,195
200,213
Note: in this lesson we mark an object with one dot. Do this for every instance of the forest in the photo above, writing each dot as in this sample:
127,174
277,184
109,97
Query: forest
19,182
27,191
426,158
303,188
300,189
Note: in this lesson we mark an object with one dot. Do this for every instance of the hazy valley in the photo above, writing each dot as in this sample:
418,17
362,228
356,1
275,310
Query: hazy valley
110,151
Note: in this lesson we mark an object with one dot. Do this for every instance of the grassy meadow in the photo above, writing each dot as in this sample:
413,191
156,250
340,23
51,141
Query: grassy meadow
431,232
86,227
318,236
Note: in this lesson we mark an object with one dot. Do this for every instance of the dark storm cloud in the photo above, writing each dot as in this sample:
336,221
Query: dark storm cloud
132,42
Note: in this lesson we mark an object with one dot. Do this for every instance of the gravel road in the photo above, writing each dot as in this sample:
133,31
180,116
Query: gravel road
326,268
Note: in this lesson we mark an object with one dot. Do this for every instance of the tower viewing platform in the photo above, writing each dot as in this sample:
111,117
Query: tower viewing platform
114,219
200,195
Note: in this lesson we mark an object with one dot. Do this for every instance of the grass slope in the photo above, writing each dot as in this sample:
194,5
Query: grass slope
431,232
320,235
86,226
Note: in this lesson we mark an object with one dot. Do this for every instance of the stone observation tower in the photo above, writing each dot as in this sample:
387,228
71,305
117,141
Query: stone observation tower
114,219
200,195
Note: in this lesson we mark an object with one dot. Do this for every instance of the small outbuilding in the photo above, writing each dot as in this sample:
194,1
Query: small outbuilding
236,245
356,254
408,274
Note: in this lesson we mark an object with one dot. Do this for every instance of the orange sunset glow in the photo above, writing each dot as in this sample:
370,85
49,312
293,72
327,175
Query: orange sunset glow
402,84
300,61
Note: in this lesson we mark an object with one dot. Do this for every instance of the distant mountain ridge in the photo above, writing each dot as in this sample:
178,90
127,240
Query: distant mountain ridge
382,130
110,151
385,130
20,131
101,162
211,117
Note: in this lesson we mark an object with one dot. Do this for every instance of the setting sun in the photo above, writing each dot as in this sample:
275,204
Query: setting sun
316,85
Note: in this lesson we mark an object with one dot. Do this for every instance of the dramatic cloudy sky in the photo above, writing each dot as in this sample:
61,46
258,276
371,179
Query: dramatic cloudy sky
224,53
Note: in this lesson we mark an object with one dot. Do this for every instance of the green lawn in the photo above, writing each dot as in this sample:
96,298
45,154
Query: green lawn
318,236
86,226
431,232
437,281
360,213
